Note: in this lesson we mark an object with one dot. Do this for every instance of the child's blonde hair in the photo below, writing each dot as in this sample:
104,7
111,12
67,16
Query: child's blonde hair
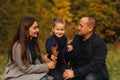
59,20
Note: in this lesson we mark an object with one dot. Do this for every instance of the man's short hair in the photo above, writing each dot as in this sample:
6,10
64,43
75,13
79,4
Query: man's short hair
91,21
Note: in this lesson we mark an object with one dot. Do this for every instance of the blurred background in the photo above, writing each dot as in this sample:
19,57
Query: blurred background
107,13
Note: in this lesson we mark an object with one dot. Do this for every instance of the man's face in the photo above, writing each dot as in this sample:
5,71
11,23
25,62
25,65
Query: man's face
83,28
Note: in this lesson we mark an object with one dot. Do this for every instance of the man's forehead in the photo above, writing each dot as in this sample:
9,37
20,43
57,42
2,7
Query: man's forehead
84,18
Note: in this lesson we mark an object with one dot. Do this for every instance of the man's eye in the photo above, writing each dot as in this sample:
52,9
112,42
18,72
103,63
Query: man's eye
81,25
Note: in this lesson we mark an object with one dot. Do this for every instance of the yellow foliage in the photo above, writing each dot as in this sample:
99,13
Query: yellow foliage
62,9
109,32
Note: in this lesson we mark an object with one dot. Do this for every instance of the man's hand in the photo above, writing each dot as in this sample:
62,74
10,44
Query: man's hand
70,48
68,73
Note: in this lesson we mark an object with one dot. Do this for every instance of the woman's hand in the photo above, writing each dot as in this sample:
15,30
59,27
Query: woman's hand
52,64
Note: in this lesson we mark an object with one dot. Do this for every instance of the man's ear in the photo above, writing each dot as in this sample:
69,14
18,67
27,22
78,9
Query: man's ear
90,28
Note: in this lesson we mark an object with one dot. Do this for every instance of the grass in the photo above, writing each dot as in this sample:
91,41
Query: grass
3,62
112,63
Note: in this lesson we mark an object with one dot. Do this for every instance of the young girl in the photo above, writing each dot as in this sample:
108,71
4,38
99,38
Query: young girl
25,62
58,42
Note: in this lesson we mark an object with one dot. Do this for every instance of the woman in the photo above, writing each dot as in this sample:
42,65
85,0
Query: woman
25,62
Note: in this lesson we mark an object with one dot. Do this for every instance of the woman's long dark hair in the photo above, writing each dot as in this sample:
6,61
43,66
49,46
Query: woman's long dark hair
22,36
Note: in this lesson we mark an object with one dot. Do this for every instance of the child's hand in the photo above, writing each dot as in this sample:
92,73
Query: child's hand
70,48
47,60
53,57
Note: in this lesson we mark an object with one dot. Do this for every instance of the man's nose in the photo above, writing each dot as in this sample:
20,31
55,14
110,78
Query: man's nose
78,27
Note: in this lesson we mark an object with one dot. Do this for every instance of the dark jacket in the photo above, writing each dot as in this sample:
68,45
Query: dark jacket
62,59
89,56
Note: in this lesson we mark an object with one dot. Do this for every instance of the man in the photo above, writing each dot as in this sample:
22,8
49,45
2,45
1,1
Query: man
88,54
